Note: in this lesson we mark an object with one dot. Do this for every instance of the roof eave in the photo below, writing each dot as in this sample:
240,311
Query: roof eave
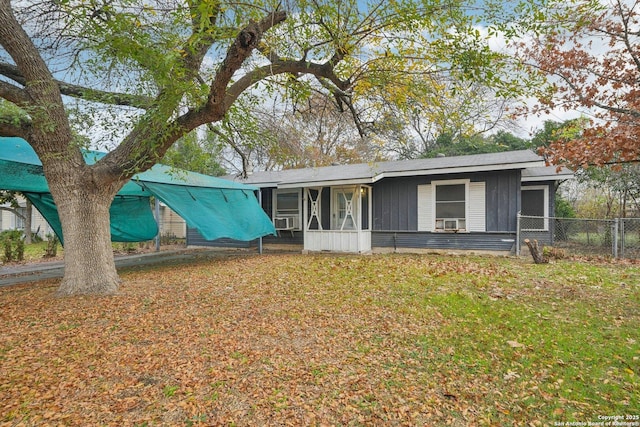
555,177
329,183
463,169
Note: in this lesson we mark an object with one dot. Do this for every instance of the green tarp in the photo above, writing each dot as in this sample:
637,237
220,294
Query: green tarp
216,207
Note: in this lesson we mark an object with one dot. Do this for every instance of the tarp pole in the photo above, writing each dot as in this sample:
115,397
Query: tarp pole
156,211
260,238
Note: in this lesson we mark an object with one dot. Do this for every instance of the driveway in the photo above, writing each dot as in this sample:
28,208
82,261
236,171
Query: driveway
13,274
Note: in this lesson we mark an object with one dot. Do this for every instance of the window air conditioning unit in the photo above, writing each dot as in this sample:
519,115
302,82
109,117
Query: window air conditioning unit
284,223
451,224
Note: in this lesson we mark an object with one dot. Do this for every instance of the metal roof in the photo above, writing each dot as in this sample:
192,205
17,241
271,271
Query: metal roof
368,173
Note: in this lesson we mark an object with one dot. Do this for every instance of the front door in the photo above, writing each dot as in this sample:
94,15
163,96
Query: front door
345,209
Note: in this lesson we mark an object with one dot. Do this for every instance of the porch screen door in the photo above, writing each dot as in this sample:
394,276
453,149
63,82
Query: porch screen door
344,209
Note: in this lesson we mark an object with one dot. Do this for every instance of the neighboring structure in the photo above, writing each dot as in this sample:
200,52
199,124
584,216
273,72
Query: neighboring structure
170,224
464,202
11,221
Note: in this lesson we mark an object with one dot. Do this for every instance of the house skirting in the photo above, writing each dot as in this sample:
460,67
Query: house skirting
383,241
499,241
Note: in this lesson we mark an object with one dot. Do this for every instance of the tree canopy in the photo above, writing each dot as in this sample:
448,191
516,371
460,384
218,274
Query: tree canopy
588,52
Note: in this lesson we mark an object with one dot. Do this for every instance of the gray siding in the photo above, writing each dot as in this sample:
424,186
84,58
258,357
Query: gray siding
395,200
194,238
395,204
502,199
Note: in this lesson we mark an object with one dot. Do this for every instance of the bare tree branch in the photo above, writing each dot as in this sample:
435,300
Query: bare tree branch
12,72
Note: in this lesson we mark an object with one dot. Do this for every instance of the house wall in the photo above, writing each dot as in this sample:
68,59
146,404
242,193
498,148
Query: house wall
426,240
395,215
395,200
9,221
171,224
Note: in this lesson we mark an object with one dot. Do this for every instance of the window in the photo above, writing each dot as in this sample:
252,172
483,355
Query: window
456,205
20,218
286,209
451,206
535,203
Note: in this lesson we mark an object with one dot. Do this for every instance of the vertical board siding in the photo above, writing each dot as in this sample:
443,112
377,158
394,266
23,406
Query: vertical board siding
394,203
425,208
502,200
477,206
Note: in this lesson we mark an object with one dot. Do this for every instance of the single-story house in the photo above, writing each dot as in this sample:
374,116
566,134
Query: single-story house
463,202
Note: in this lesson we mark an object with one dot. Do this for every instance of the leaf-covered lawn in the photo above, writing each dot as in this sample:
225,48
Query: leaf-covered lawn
328,340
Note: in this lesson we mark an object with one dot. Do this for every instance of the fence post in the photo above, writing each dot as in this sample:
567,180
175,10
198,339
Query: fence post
622,237
260,249
518,234
156,212
614,230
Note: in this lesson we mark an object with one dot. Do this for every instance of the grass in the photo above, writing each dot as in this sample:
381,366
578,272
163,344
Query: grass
36,251
329,340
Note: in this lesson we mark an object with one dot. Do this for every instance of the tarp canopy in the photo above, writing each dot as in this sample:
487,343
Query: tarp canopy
216,207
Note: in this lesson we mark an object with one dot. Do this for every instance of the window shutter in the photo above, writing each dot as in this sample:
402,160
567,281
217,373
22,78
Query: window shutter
477,208
425,208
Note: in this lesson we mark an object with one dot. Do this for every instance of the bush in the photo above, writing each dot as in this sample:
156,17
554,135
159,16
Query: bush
52,246
12,242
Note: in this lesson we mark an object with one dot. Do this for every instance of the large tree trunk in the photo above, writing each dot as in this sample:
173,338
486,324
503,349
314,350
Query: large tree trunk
89,266
83,201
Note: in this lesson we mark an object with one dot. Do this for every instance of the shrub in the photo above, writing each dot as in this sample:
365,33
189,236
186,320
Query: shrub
51,250
13,245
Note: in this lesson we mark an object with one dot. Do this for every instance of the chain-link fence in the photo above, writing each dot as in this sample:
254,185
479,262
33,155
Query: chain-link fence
617,238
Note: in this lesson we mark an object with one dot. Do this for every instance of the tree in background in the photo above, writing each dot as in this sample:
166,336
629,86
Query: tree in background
439,118
195,154
154,72
588,53
316,134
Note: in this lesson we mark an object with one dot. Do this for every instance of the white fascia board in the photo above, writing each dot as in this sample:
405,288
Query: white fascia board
555,177
463,169
261,184
329,183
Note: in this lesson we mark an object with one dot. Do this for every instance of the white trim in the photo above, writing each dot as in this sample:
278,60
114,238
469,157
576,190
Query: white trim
557,177
352,208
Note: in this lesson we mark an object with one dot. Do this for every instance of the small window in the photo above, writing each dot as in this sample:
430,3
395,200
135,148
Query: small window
286,209
451,207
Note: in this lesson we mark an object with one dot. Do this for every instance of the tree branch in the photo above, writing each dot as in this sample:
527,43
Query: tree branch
12,72
12,126
244,44
13,211
281,67
13,93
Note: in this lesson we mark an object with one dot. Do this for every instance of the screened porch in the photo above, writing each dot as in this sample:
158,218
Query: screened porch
337,219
